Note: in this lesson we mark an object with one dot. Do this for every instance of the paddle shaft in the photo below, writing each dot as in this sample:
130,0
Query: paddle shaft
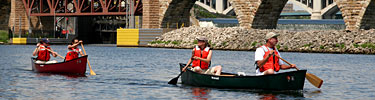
55,53
316,81
88,62
285,61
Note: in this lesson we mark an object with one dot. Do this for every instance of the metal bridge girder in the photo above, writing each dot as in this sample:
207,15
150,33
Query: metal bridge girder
82,7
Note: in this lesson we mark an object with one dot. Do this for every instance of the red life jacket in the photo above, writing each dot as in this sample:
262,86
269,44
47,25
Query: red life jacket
72,54
272,62
43,53
204,54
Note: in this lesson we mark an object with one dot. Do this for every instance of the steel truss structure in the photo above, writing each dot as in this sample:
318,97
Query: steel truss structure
82,7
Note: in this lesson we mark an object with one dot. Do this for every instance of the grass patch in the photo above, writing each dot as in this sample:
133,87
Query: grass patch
368,45
156,42
341,45
307,45
4,36
286,47
195,42
176,42
355,45
224,43
160,42
254,43
213,45
321,47
278,46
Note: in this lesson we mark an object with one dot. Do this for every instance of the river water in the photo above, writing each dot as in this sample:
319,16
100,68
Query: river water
143,73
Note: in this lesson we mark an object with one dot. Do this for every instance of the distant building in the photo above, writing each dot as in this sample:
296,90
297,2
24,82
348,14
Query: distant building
288,8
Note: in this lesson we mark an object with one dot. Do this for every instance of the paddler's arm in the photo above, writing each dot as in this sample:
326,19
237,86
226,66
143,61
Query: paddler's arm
284,66
74,45
189,62
80,51
53,53
36,49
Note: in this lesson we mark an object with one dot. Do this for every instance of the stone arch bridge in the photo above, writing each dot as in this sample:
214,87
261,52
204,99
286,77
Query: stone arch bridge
260,14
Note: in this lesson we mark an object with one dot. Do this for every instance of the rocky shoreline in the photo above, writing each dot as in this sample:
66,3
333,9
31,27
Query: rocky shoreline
236,38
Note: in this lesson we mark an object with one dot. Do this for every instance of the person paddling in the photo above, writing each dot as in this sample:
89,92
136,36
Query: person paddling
43,52
265,57
73,50
201,58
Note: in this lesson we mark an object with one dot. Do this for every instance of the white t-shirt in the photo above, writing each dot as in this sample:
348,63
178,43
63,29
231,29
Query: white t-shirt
259,53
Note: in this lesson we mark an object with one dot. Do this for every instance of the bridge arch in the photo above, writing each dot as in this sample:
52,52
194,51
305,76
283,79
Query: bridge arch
357,14
260,14
176,13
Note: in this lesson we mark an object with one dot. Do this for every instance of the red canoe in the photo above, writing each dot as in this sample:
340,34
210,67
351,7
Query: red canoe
75,66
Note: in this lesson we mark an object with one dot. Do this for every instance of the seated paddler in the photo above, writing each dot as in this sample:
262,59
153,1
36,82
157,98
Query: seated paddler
73,50
266,58
201,58
43,52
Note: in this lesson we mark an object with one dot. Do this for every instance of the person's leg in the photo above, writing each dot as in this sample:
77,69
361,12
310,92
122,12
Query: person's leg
40,62
217,70
269,71
50,62
197,69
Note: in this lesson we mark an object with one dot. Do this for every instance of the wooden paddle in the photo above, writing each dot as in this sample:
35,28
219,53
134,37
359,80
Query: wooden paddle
55,53
91,71
314,80
174,80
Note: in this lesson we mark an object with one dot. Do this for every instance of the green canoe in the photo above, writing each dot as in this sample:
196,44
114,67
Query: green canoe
293,80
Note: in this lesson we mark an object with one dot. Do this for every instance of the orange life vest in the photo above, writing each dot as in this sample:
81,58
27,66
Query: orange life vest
272,62
204,54
72,54
43,53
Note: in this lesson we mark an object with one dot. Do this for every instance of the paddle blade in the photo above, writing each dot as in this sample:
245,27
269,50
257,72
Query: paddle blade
314,80
173,81
92,72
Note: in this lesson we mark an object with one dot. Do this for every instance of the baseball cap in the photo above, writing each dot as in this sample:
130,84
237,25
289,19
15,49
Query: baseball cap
45,41
271,35
201,38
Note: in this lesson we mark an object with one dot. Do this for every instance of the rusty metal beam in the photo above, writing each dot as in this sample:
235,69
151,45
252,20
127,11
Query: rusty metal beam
78,14
105,7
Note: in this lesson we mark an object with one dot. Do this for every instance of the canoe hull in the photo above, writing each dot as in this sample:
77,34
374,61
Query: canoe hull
293,80
75,66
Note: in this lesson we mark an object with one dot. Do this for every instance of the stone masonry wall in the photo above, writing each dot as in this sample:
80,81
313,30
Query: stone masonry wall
258,14
151,14
235,38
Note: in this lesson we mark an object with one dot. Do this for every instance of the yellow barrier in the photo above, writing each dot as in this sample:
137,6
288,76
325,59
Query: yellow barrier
19,40
127,37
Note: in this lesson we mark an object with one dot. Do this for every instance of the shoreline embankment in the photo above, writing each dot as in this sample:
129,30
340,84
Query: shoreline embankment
240,39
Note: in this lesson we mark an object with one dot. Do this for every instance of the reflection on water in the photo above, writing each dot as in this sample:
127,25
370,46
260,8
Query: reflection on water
200,93
143,73
67,76
271,94
275,95
268,97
